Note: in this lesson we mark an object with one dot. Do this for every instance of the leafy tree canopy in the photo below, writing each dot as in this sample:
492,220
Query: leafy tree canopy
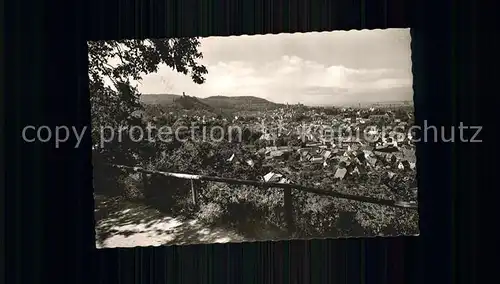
114,65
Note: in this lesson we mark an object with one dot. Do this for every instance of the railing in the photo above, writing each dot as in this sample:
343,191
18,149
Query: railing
285,186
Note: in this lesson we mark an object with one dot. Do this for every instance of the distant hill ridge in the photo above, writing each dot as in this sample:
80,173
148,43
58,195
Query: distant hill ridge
223,103
159,98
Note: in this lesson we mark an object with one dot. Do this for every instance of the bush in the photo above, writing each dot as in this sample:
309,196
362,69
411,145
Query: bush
210,213
317,215
167,194
314,214
243,207
132,186
250,209
107,180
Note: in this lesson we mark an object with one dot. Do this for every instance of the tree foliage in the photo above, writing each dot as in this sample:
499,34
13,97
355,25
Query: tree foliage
115,65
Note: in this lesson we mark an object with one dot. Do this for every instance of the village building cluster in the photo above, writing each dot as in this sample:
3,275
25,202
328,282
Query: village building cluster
302,144
345,154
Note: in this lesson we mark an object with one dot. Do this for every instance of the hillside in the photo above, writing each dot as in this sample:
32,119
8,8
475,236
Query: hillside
159,99
216,103
175,101
191,103
240,103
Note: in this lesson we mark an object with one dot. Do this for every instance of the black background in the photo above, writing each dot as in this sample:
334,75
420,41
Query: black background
48,200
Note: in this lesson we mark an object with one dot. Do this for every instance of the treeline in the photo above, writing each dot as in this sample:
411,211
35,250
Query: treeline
214,104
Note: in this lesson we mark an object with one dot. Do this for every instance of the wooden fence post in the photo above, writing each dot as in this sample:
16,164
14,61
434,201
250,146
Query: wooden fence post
145,181
194,193
289,218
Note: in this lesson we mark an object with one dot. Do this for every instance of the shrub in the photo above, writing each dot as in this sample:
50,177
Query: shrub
376,219
245,206
313,214
317,215
166,194
108,180
249,209
132,186
210,213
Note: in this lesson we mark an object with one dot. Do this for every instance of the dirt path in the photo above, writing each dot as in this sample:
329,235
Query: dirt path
120,223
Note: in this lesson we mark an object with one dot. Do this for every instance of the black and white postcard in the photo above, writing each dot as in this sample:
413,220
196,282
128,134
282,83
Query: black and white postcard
253,138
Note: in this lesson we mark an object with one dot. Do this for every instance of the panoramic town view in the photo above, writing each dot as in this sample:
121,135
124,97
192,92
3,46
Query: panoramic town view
202,141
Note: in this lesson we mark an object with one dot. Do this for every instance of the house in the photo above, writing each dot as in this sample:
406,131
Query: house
379,117
286,170
326,142
350,167
306,149
272,148
390,175
404,165
284,180
313,144
355,171
272,177
316,159
267,155
345,161
357,161
350,140
327,154
138,114
275,177
303,152
358,170
340,173
401,166
368,154
305,156
274,154
250,162
232,158
284,148
391,159
360,156
262,151
410,137
277,154
361,169
386,149
268,137
372,136
372,161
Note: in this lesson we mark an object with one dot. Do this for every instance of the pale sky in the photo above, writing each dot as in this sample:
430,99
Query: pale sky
311,68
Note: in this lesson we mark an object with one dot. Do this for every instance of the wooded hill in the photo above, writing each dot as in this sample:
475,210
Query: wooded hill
217,104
